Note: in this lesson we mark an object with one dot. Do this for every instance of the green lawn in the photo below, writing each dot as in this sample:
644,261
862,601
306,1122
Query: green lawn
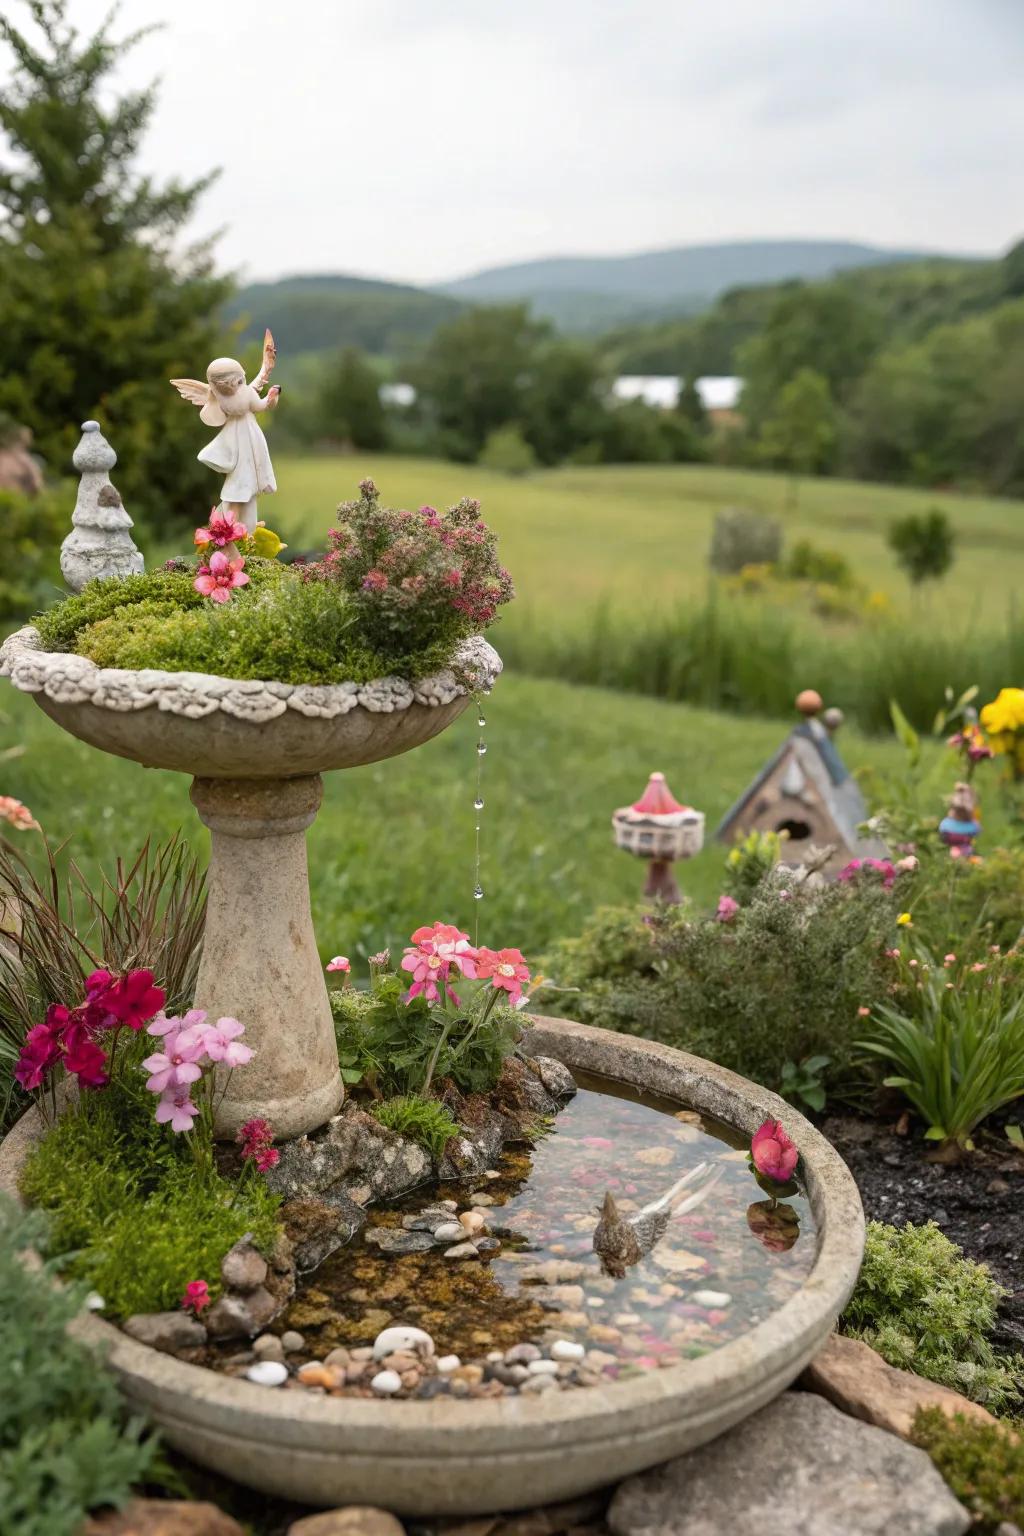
393,846
640,533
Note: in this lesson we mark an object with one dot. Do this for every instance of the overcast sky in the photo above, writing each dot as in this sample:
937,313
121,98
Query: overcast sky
422,139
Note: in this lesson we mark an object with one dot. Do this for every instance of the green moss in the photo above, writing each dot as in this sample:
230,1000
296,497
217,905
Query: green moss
927,1309
130,1213
982,1463
422,1120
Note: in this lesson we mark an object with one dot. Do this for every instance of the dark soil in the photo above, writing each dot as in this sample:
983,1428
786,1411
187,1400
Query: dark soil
978,1203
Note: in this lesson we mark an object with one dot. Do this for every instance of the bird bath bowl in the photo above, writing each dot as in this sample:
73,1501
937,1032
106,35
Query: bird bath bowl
464,1457
256,751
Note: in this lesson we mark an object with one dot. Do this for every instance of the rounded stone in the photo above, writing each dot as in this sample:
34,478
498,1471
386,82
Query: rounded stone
268,1373
386,1383
543,1367
268,1347
711,1299
448,1363
449,1232
566,1349
408,1340
292,1342
522,1354
355,1520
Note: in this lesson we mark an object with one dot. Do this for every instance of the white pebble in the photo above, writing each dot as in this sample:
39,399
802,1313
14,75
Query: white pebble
449,1232
595,1301
543,1367
411,1341
94,1302
267,1373
386,1383
448,1363
491,1173
447,1205
461,1251
565,1349
715,1299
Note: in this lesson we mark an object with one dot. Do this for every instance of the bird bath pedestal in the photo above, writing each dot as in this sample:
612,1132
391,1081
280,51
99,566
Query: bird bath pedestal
256,751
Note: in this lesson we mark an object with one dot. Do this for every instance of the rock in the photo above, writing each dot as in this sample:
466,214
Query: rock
471,1222
268,1347
480,1197
412,1341
852,1376
237,1315
462,1251
479,1147
164,1517
395,1240
448,1363
354,1520
339,1357
555,1076
386,1383
552,1272
171,1332
539,1384
449,1232
355,1151
268,1373
487,1244
566,1349
425,1220
798,1466
521,1354
711,1299
543,1367
292,1342
243,1267
319,1227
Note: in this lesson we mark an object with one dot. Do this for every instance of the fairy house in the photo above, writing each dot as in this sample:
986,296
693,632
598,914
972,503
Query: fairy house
807,792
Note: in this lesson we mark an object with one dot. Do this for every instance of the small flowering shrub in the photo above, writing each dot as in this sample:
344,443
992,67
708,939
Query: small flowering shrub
423,576
747,863
927,1309
405,1038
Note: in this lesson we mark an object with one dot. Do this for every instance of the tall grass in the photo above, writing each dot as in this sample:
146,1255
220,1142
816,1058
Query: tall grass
750,657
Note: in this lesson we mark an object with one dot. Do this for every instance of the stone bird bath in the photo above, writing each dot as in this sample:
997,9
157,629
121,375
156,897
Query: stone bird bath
256,751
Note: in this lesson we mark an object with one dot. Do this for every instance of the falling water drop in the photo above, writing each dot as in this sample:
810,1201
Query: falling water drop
481,748
480,720
478,893
478,804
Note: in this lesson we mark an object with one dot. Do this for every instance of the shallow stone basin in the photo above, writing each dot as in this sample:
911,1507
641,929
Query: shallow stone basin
454,1457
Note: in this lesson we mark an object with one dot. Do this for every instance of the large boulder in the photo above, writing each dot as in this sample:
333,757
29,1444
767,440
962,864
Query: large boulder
798,1466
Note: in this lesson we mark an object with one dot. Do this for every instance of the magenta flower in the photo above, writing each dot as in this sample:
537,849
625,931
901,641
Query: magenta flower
133,999
374,581
217,580
256,1140
196,1297
505,968
176,1107
255,1132
266,1158
773,1153
87,1061
221,530
339,963
221,1043
40,1051
727,909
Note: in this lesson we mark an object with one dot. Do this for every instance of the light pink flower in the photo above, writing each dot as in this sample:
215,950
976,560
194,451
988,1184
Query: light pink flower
176,1106
177,1064
773,1153
863,1013
221,1043
727,909
339,963
17,815
949,959
222,530
438,949
217,579
506,968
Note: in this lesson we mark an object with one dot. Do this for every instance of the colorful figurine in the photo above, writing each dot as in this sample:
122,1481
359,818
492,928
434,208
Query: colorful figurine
961,824
239,451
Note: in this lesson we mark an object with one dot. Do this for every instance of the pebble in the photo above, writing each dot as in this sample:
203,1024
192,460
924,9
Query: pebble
449,1232
487,1245
491,1173
268,1347
316,1375
409,1340
268,1373
714,1299
539,1384
94,1301
338,1357
292,1342
448,1205
364,1352
472,1221
386,1383
543,1367
472,1375
565,1349
448,1363
462,1251
481,1197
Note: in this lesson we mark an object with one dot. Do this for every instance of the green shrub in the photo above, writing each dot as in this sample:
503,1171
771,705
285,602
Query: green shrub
747,863
130,1213
806,562
782,982
66,1444
742,538
982,1463
33,527
60,625
507,452
923,545
927,1309
422,1120
967,907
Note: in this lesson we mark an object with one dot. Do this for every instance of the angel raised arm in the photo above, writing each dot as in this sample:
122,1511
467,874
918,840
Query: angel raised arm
239,451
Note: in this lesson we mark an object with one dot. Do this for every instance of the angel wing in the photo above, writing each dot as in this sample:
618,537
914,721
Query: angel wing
269,359
192,390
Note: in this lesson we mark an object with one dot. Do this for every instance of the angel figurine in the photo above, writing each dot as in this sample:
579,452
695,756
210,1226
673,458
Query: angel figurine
239,451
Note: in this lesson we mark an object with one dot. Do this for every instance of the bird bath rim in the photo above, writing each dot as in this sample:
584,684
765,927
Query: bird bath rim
470,1457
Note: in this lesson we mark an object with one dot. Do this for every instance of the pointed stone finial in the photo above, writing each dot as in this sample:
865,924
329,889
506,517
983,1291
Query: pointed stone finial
99,543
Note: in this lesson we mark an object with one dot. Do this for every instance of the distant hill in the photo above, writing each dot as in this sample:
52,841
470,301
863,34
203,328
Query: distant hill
592,293
324,311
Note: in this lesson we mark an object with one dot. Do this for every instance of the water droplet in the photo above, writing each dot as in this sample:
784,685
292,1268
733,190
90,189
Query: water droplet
481,748
478,804
481,722
478,894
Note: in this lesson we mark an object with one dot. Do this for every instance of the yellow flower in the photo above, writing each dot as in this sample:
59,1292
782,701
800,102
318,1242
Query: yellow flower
1004,718
905,920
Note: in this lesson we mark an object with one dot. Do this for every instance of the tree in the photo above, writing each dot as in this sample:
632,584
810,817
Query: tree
800,434
475,374
100,305
824,327
923,545
690,406
507,452
562,404
349,408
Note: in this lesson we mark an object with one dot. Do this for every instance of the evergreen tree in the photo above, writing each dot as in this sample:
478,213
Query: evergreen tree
349,409
101,306
691,408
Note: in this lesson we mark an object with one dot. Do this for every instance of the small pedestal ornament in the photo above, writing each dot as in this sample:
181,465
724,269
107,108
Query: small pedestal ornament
661,830
99,543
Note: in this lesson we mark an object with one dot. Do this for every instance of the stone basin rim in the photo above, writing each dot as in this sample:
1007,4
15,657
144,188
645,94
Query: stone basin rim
424,1457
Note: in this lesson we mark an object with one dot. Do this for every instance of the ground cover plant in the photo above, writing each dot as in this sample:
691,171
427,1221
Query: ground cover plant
982,1463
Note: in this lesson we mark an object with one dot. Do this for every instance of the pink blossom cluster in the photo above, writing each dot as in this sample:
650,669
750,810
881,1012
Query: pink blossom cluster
191,1045
888,871
256,1139
772,1152
222,573
442,949
17,815
75,1038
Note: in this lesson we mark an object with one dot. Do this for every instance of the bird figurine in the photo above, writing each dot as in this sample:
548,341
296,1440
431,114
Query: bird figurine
620,1241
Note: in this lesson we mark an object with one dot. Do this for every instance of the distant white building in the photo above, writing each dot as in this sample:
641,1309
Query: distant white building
402,395
718,392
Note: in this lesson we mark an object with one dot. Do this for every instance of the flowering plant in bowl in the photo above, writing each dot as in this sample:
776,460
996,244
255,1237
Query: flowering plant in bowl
773,1160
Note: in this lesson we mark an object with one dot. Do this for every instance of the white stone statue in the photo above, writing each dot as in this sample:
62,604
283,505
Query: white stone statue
239,451
99,543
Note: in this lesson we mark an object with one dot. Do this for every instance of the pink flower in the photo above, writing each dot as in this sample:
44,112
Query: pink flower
17,815
134,1000
195,1018
882,867
862,1013
266,1158
892,954
217,579
40,1051
177,1064
906,866
221,1043
87,1061
222,530
979,965
773,1153
949,960
256,1140
727,909
196,1297
255,1132
339,963
176,1106
506,968
374,581
438,949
